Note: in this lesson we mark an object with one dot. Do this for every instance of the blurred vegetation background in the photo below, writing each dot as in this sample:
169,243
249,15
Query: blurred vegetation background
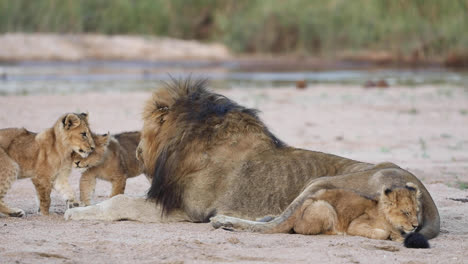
418,28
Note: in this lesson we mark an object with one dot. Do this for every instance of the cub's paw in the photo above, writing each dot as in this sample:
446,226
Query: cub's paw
221,221
73,204
17,213
378,233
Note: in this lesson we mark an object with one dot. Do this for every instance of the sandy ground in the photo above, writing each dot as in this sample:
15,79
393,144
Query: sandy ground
423,129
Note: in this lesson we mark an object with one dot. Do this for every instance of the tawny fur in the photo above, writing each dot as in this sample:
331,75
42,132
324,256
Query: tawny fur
207,155
113,160
340,211
45,157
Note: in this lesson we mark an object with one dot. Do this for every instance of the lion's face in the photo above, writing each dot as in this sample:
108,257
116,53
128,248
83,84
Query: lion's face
95,157
77,133
156,129
401,207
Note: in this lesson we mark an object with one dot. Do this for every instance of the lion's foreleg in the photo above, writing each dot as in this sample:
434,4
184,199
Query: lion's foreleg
43,189
123,207
61,185
362,226
87,186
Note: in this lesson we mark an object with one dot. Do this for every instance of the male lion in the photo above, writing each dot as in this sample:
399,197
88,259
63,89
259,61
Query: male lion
113,160
339,211
207,155
45,157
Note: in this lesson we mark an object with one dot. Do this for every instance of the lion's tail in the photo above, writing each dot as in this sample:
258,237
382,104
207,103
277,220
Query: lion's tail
416,240
430,227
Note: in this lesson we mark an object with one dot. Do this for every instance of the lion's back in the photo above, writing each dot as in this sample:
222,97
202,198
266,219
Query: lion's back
8,135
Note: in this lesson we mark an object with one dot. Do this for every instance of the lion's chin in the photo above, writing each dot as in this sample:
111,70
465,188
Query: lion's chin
406,231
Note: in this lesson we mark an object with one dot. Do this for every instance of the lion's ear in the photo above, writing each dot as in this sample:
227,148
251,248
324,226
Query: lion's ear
74,155
414,188
385,194
71,121
102,140
387,191
84,116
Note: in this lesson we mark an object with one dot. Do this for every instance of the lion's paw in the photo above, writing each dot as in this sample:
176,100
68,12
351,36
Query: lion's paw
17,213
73,204
220,221
74,213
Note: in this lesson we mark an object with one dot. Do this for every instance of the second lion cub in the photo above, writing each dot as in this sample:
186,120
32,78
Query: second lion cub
338,211
113,160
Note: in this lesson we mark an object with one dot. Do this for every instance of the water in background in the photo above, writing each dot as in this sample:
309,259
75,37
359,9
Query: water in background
96,76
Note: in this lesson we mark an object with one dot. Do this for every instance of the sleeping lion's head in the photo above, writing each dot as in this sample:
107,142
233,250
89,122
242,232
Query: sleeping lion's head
401,207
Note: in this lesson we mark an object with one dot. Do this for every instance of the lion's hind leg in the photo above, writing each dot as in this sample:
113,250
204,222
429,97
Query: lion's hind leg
224,221
268,225
9,171
317,217
118,185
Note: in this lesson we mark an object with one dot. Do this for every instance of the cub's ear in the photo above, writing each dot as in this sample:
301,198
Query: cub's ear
84,115
106,138
71,121
74,155
385,194
387,191
102,140
414,188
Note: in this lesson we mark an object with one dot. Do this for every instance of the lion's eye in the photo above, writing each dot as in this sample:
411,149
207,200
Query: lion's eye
84,135
405,213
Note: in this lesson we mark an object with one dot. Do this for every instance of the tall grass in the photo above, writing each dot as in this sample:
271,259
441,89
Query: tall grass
426,27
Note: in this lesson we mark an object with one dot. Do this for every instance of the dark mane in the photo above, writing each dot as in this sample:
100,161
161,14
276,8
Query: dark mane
196,111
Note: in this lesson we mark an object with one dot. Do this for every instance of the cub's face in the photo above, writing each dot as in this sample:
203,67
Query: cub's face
401,207
96,157
78,134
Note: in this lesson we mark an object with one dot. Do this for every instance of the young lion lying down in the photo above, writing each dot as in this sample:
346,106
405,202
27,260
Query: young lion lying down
113,160
340,211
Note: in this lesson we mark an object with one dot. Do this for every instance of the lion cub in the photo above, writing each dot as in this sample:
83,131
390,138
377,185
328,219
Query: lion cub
338,211
113,160
44,157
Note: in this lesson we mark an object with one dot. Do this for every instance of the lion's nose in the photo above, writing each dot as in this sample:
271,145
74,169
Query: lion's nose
92,148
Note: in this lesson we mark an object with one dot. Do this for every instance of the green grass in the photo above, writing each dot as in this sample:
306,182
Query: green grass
424,28
462,185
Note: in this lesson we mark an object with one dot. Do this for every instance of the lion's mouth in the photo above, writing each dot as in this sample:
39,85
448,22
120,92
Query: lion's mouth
404,231
77,164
